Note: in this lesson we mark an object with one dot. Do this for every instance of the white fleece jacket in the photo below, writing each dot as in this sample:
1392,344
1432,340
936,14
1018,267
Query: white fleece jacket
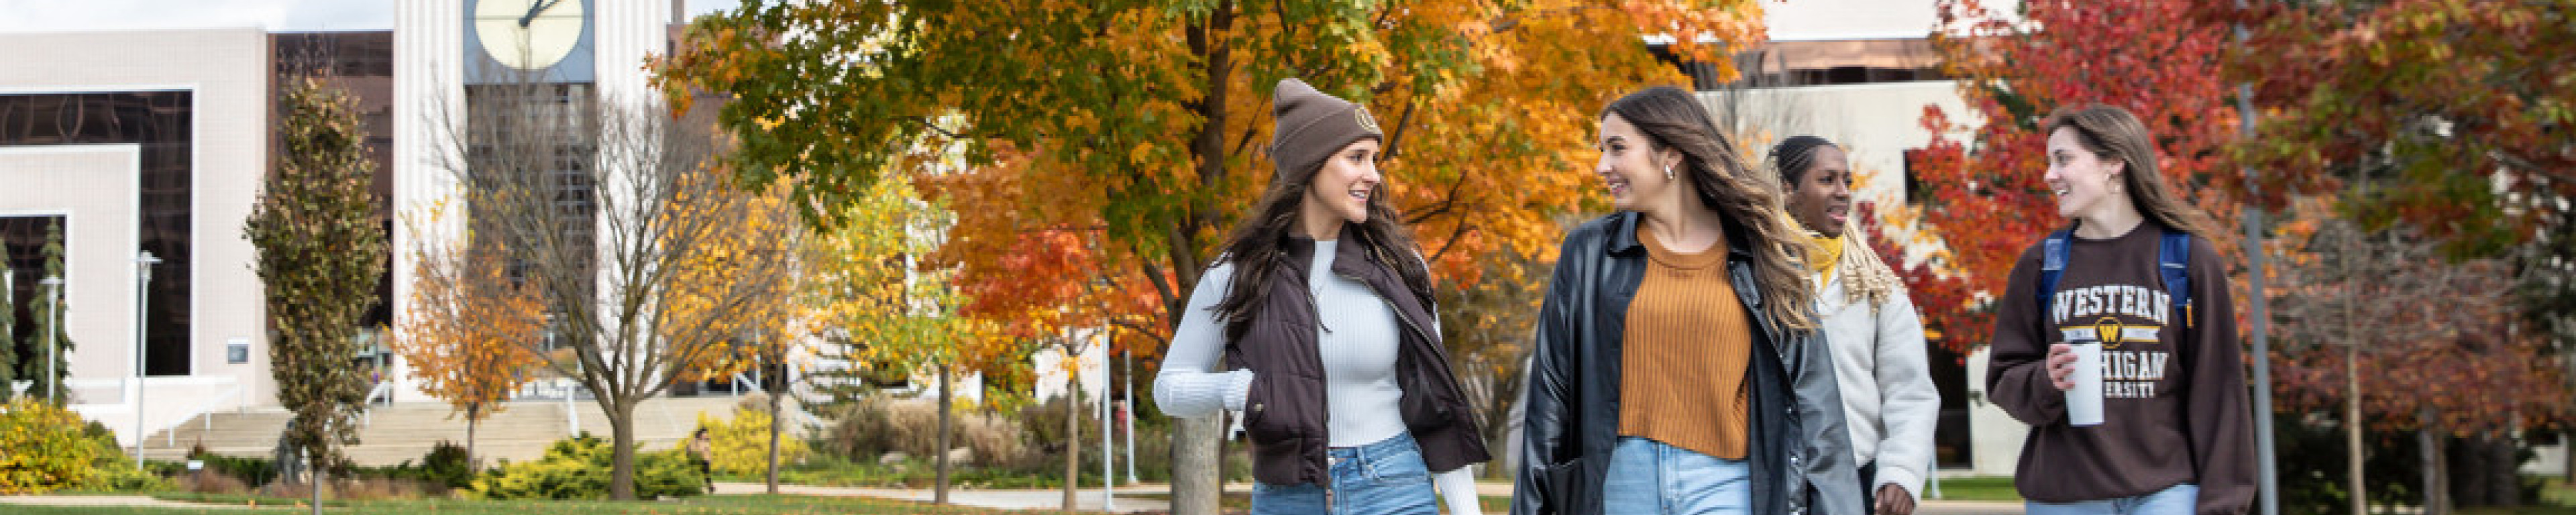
1888,399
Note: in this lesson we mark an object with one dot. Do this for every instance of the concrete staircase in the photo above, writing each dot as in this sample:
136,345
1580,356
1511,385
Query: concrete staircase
406,431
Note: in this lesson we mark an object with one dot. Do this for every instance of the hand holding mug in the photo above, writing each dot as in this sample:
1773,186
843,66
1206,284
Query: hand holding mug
2061,366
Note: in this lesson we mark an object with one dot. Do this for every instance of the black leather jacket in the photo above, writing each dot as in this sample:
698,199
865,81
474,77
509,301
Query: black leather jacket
1800,455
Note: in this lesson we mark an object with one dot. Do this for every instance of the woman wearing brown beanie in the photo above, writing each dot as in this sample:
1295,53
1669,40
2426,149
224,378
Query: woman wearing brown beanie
1677,368
1321,315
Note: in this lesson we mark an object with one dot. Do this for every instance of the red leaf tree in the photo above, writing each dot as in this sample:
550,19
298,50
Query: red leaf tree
1985,195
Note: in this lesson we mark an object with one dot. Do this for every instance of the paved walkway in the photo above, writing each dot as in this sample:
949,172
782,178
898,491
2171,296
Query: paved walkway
108,501
1148,497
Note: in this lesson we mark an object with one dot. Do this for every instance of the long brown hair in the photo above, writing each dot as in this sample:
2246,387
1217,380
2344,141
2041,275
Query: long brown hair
2112,133
1255,247
1673,118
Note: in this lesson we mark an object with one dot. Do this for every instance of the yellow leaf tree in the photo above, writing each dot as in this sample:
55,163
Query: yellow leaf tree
884,315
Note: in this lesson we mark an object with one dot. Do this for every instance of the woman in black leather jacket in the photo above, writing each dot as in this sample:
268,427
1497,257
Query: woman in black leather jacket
1730,401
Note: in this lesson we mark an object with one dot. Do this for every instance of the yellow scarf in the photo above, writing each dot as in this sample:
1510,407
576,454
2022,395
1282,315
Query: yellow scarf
1829,254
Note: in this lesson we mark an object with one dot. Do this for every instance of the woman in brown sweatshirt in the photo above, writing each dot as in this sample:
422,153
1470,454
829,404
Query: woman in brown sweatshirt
2176,431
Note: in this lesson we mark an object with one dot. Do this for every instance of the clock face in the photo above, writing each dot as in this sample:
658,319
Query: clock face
529,34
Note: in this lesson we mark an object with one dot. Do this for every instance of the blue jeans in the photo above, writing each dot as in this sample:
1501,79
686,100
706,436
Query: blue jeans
1647,476
1383,478
2176,500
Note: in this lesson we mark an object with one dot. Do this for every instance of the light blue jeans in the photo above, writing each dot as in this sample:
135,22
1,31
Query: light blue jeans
2174,500
1383,478
1647,476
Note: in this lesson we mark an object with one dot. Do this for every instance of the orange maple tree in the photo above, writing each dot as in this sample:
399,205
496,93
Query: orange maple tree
1150,148
466,333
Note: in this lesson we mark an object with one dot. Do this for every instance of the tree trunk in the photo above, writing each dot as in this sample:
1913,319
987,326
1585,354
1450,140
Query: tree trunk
1072,437
1197,476
774,422
2429,450
621,463
472,422
1198,471
2442,477
2354,453
939,494
313,460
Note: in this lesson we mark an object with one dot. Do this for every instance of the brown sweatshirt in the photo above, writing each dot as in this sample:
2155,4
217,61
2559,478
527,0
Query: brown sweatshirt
2175,405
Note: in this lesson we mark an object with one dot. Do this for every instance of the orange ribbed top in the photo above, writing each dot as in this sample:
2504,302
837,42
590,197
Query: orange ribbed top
1683,354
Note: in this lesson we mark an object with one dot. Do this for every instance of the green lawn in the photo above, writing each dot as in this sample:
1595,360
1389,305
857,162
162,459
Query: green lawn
1976,489
715,505
2558,491
2526,510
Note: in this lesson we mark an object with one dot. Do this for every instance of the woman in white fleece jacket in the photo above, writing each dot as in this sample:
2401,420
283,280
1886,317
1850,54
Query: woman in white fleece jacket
1877,338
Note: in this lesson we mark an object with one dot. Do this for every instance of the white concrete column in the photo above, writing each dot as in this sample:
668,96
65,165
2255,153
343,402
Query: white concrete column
429,111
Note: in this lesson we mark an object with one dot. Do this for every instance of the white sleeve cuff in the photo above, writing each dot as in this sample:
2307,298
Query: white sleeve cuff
1458,491
1912,484
1198,394
1238,386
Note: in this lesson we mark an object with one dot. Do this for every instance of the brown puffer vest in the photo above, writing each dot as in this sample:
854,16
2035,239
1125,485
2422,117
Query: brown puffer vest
1284,413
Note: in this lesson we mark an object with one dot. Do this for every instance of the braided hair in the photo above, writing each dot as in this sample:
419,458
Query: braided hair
1866,277
1793,156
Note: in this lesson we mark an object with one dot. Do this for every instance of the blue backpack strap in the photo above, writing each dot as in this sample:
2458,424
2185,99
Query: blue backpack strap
2173,259
2052,265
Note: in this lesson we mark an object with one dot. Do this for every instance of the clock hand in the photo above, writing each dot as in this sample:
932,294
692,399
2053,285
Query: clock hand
534,8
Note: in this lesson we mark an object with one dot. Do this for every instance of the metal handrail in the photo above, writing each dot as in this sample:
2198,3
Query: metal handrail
381,389
205,417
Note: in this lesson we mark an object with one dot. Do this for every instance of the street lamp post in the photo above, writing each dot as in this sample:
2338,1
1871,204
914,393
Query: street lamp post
1127,412
53,343
142,308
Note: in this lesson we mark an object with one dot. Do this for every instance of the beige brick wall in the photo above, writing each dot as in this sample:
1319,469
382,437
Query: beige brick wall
227,72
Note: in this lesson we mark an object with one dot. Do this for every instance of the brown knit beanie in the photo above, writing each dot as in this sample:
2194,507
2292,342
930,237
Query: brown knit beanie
1310,126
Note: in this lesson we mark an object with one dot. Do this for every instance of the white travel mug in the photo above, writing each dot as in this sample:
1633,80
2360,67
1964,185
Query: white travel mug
2084,401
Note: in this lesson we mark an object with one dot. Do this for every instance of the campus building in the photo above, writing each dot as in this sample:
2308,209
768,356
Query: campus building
155,142
136,143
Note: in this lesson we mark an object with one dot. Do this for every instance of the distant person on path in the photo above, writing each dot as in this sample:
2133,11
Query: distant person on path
2135,274
1677,367
1318,324
1877,337
702,451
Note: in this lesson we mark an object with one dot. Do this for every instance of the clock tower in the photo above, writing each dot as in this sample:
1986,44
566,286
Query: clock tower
481,85
520,41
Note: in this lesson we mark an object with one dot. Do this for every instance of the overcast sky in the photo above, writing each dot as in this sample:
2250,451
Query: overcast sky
274,15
